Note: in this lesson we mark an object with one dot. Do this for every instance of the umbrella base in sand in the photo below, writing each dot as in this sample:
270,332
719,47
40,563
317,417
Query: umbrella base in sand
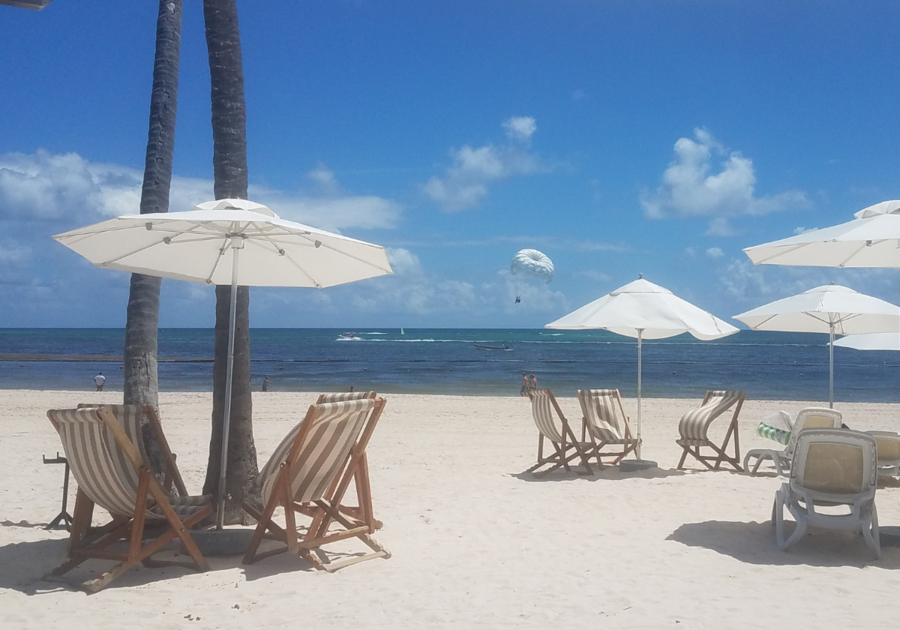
222,542
632,465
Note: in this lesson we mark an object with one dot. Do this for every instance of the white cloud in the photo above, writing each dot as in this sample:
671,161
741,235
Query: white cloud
714,252
520,128
465,183
71,191
591,274
720,226
690,188
403,261
747,285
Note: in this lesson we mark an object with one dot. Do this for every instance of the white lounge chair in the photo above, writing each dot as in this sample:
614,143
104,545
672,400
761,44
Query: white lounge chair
830,467
888,445
809,418
607,424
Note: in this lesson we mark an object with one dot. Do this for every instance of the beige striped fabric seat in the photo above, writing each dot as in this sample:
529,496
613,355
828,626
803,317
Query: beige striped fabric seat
111,472
308,473
605,421
554,428
830,468
136,419
693,430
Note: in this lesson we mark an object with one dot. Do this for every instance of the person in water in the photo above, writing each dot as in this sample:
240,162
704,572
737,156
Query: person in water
266,383
532,383
524,390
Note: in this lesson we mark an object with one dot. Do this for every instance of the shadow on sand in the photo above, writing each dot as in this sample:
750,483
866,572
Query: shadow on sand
24,565
610,473
754,543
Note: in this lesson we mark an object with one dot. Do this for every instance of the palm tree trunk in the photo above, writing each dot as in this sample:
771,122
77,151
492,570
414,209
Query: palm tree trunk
141,379
229,122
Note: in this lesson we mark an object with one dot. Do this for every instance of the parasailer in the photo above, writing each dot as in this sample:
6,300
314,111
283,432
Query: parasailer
533,264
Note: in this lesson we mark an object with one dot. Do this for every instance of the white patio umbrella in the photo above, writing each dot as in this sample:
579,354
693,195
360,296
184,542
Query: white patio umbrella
870,341
227,242
870,240
644,310
830,308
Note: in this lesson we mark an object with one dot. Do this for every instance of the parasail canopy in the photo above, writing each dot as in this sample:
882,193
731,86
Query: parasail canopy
532,263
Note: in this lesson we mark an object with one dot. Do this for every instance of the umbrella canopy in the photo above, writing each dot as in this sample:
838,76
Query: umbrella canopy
827,309
870,240
227,242
870,341
203,244
644,310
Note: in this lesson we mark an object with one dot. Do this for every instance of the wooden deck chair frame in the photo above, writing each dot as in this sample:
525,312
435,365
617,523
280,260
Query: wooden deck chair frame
694,433
565,445
360,472
132,528
171,475
592,426
323,511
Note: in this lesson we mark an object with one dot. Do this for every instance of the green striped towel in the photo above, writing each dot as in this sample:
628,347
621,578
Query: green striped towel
779,435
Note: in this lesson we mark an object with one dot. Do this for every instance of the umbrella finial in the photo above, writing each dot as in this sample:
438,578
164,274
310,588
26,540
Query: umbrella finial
640,276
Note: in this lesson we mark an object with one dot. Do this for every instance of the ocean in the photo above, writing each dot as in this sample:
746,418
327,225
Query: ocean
768,365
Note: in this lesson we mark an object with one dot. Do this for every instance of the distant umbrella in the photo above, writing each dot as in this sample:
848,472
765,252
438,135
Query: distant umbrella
831,309
645,310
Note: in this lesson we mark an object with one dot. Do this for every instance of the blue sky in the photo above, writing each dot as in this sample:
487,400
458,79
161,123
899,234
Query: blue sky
618,137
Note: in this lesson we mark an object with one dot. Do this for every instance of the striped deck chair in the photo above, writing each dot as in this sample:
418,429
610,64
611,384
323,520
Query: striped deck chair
134,419
363,509
604,420
694,427
830,468
111,473
566,446
308,473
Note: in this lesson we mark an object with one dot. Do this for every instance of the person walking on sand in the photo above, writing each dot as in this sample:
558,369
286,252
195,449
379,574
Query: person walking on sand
524,390
532,383
99,380
266,383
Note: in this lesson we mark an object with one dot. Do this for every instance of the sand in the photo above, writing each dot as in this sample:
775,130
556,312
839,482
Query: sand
475,542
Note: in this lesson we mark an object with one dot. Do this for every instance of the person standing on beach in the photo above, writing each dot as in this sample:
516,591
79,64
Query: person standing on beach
99,380
532,383
524,390
266,383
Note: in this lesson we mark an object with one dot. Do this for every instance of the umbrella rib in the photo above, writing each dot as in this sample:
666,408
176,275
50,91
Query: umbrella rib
144,248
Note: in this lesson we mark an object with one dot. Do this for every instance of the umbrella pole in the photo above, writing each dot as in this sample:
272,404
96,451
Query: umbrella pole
226,420
831,366
640,332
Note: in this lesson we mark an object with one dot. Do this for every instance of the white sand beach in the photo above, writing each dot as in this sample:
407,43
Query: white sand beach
475,542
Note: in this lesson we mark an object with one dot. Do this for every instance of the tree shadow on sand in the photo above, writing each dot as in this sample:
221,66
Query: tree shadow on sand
754,543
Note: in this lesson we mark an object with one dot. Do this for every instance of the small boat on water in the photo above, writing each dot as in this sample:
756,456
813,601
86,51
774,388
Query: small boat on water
482,346
350,337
